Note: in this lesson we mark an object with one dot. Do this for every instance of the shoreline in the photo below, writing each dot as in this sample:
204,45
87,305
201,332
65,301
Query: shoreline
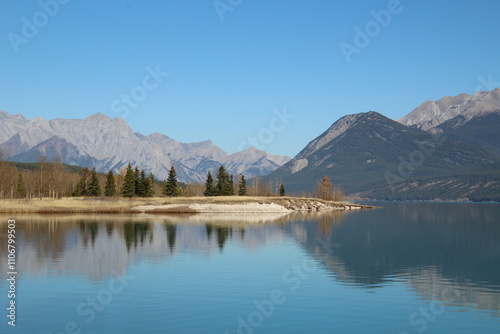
173,205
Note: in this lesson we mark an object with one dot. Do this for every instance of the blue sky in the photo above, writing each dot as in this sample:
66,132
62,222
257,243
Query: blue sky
233,68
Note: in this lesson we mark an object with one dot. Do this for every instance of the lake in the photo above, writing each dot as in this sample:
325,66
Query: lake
406,268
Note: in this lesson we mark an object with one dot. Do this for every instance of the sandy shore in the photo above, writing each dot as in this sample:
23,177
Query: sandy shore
279,206
215,208
165,205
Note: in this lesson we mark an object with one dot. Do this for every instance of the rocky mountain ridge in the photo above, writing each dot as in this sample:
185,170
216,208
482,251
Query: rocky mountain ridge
431,114
109,143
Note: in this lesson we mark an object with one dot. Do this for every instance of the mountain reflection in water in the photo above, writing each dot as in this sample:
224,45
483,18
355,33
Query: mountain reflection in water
439,250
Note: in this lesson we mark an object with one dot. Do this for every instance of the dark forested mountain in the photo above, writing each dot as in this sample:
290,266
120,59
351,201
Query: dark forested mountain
481,130
371,156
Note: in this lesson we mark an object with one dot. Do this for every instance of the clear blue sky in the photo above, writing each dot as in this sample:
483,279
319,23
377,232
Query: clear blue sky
227,76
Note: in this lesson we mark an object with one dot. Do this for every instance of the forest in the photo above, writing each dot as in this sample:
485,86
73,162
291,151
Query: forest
56,180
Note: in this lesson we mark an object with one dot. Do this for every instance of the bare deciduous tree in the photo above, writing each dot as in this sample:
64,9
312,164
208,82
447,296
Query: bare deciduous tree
325,190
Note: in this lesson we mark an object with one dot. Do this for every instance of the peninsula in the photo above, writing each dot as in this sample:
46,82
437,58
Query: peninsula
174,205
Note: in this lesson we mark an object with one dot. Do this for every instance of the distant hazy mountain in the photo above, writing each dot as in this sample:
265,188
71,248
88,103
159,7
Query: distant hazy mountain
109,143
371,156
53,149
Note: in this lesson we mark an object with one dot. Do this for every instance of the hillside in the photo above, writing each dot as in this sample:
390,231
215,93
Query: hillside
371,156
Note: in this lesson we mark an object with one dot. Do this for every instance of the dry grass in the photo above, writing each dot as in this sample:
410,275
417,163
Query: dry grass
74,205
71,205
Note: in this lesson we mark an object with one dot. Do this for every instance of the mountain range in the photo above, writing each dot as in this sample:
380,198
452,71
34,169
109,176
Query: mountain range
110,144
447,149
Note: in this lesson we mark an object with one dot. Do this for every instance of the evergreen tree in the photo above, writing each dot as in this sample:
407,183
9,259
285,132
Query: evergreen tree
150,191
171,186
230,186
82,187
21,189
138,184
209,186
282,190
145,185
242,186
129,183
94,188
110,187
141,185
222,188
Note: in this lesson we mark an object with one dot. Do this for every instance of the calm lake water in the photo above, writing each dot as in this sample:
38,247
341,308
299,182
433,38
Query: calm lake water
407,268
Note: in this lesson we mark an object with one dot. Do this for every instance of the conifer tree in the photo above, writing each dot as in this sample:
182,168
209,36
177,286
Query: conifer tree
129,183
82,187
110,187
230,186
242,186
141,185
222,182
150,191
282,190
94,188
171,186
138,185
21,189
209,186
145,185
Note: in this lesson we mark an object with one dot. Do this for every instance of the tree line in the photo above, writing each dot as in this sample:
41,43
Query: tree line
135,183
225,186
55,180
37,180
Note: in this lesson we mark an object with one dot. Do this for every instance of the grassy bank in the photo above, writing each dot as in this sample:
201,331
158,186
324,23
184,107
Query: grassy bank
160,205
